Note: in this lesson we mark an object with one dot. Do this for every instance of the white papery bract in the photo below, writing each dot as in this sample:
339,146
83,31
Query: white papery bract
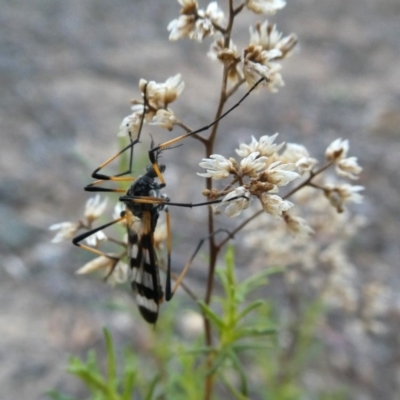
237,200
217,166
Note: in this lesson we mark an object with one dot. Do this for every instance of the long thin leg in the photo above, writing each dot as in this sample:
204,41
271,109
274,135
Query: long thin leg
121,176
159,200
76,240
169,246
117,177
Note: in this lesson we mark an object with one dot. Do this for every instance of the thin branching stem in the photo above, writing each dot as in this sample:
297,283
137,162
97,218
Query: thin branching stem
213,248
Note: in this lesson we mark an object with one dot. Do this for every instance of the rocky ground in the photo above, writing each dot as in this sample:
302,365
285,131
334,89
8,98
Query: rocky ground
68,71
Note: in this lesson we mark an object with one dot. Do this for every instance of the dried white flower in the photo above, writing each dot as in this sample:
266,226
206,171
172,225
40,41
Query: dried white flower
252,164
350,193
348,168
280,174
337,150
275,80
265,6
298,226
338,195
258,63
217,166
120,274
214,13
237,200
182,26
164,118
275,205
130,125
230,57
116,270
195,23
298,154
203,28
173,88
97,264
159,95
94,208
246,149
265,146
67,230
294,152
267,36
306,164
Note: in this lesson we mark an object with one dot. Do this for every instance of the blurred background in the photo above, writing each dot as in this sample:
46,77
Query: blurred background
68,70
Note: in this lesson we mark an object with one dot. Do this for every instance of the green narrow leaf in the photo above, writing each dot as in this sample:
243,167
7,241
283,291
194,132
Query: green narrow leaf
232,389
252,306
230,264
110,359
218,361
92,381
222,276
152,387
130,375
240,370
251,332
210,314
238,347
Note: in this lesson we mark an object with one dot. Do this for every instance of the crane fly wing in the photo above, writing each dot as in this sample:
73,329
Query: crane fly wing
145,279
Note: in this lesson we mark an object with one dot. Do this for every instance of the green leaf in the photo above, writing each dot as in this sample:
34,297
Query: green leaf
238,347
251,307
232,389
91,380
230,262
218,361
110,358
211,315
251,332
238,366
129,384
152,387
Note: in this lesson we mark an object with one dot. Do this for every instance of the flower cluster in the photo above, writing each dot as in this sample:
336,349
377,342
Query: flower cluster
266,165
115,270
345,167
257,60
321,265
94,208
158,96
258,174
195,23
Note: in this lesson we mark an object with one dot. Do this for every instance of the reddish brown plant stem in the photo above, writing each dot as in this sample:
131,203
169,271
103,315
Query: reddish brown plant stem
213,248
